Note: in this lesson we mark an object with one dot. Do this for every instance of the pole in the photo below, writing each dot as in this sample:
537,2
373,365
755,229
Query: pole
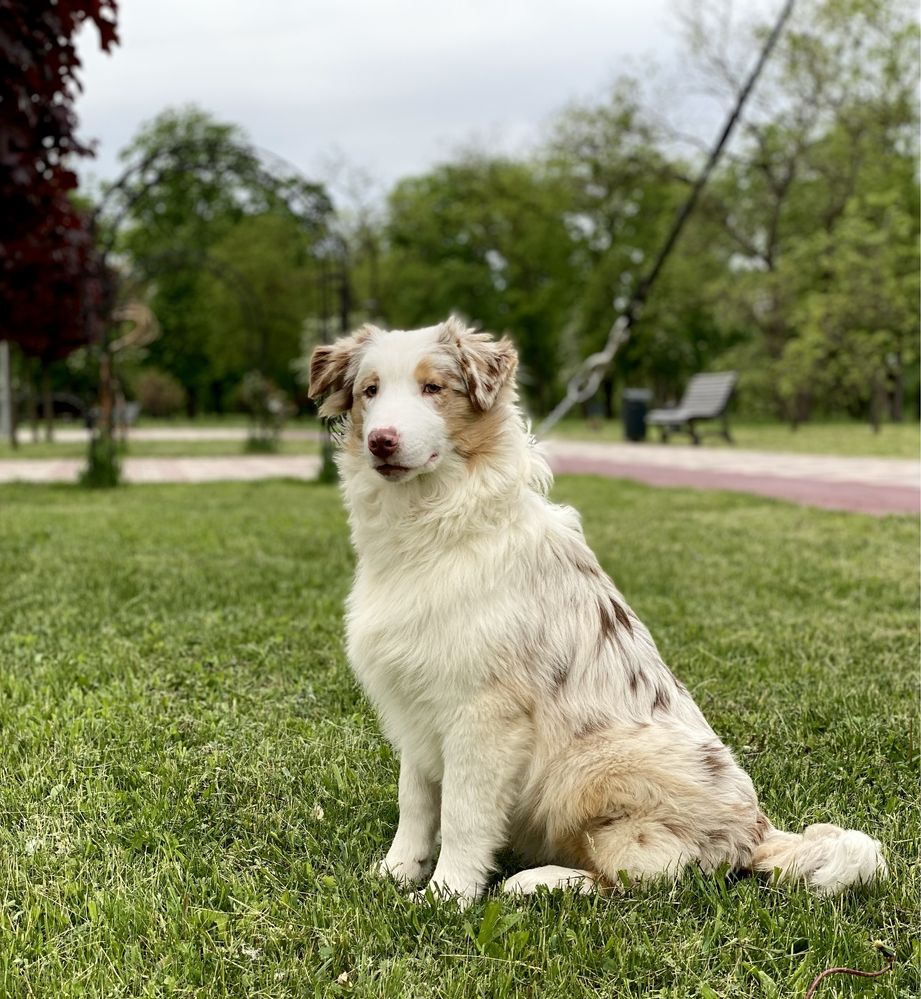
6,395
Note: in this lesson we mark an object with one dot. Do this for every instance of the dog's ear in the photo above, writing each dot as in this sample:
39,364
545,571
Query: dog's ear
332,371
487,365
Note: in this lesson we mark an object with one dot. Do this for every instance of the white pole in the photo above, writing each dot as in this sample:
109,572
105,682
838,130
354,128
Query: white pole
6,392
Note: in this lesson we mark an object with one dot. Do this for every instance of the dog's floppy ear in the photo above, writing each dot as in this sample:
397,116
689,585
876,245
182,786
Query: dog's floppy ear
332,371
487,365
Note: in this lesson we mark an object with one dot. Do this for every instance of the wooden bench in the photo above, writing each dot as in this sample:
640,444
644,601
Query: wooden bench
706,398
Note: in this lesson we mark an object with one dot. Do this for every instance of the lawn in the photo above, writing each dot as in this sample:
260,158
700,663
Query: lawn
894,440
152,449
193,789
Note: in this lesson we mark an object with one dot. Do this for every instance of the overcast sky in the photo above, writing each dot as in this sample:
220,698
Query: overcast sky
392,85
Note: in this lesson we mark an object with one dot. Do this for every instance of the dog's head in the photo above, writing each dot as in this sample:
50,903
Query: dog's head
413,397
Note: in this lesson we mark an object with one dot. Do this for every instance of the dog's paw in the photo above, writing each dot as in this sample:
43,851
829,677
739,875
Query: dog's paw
403,870
437,893
567,878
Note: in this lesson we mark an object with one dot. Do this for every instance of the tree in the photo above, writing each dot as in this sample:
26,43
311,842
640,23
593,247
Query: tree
51,299
485,237
268,254
833,138
622,193
191,182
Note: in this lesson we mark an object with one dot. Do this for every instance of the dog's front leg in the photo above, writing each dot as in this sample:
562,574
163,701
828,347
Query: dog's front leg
409,858
483,759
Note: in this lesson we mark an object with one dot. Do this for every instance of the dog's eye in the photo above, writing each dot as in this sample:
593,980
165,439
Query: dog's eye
431,389
371,391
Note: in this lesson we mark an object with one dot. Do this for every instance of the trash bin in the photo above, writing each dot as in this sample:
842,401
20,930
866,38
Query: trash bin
633,407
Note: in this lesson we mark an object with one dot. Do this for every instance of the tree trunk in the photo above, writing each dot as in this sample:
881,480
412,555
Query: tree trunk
47,403
897,396
607,388
32,403
876,403
106,396
7,401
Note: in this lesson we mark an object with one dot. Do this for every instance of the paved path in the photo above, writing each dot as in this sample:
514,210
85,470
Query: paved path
242,468
861,485
72,435
864,485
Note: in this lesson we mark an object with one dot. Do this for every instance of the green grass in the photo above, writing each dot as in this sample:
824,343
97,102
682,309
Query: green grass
895,440
193,789
151,449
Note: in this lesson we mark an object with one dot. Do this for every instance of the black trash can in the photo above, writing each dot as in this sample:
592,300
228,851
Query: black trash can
633,407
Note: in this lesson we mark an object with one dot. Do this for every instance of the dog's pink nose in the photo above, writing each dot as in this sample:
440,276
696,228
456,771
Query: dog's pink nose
382,443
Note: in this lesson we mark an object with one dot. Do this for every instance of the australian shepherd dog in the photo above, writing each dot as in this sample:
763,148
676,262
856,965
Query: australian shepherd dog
529,705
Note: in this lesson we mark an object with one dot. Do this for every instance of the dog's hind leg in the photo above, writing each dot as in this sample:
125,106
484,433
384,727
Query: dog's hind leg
569,878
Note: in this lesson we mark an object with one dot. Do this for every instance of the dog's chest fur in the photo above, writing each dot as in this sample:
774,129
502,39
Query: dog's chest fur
424,635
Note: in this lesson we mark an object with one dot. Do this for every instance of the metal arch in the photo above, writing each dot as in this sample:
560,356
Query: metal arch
279,180
180,259
303,198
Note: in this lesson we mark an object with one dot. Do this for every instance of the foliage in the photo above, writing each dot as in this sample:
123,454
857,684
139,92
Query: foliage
268,407
222,239
827,160
775,273
194,790
486,238
858,328
159,393
798,269
252,306
623,192
51,296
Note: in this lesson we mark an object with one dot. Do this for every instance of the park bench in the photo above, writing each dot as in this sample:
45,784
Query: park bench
706,398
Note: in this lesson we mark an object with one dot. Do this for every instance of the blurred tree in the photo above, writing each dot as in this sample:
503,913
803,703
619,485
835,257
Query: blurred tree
485,237
857,330
268,252
49,301
622,194
191,181
828,156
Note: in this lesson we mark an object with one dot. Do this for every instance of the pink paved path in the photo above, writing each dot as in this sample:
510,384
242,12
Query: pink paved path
856,497
861,485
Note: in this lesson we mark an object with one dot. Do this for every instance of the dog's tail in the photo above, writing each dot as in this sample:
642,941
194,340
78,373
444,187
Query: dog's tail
828,858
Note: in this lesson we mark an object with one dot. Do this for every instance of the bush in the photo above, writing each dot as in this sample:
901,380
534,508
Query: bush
159,393
268,407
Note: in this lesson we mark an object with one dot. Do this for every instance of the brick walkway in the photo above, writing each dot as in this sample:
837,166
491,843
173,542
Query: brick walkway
862,485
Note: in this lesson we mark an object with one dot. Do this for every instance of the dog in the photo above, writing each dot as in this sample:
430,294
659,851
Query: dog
529,705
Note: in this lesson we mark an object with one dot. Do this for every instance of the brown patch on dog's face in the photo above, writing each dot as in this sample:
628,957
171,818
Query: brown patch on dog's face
474,432
354,440
332,371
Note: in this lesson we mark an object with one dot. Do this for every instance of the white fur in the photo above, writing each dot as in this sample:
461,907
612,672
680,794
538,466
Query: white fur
530,707
399,404
550,876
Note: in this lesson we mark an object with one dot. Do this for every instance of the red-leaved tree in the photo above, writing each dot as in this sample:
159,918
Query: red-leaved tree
51,299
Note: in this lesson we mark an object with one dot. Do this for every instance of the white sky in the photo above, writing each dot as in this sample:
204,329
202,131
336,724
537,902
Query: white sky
394,86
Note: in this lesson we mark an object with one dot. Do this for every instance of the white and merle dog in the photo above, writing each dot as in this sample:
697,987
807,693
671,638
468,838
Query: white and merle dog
529,705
